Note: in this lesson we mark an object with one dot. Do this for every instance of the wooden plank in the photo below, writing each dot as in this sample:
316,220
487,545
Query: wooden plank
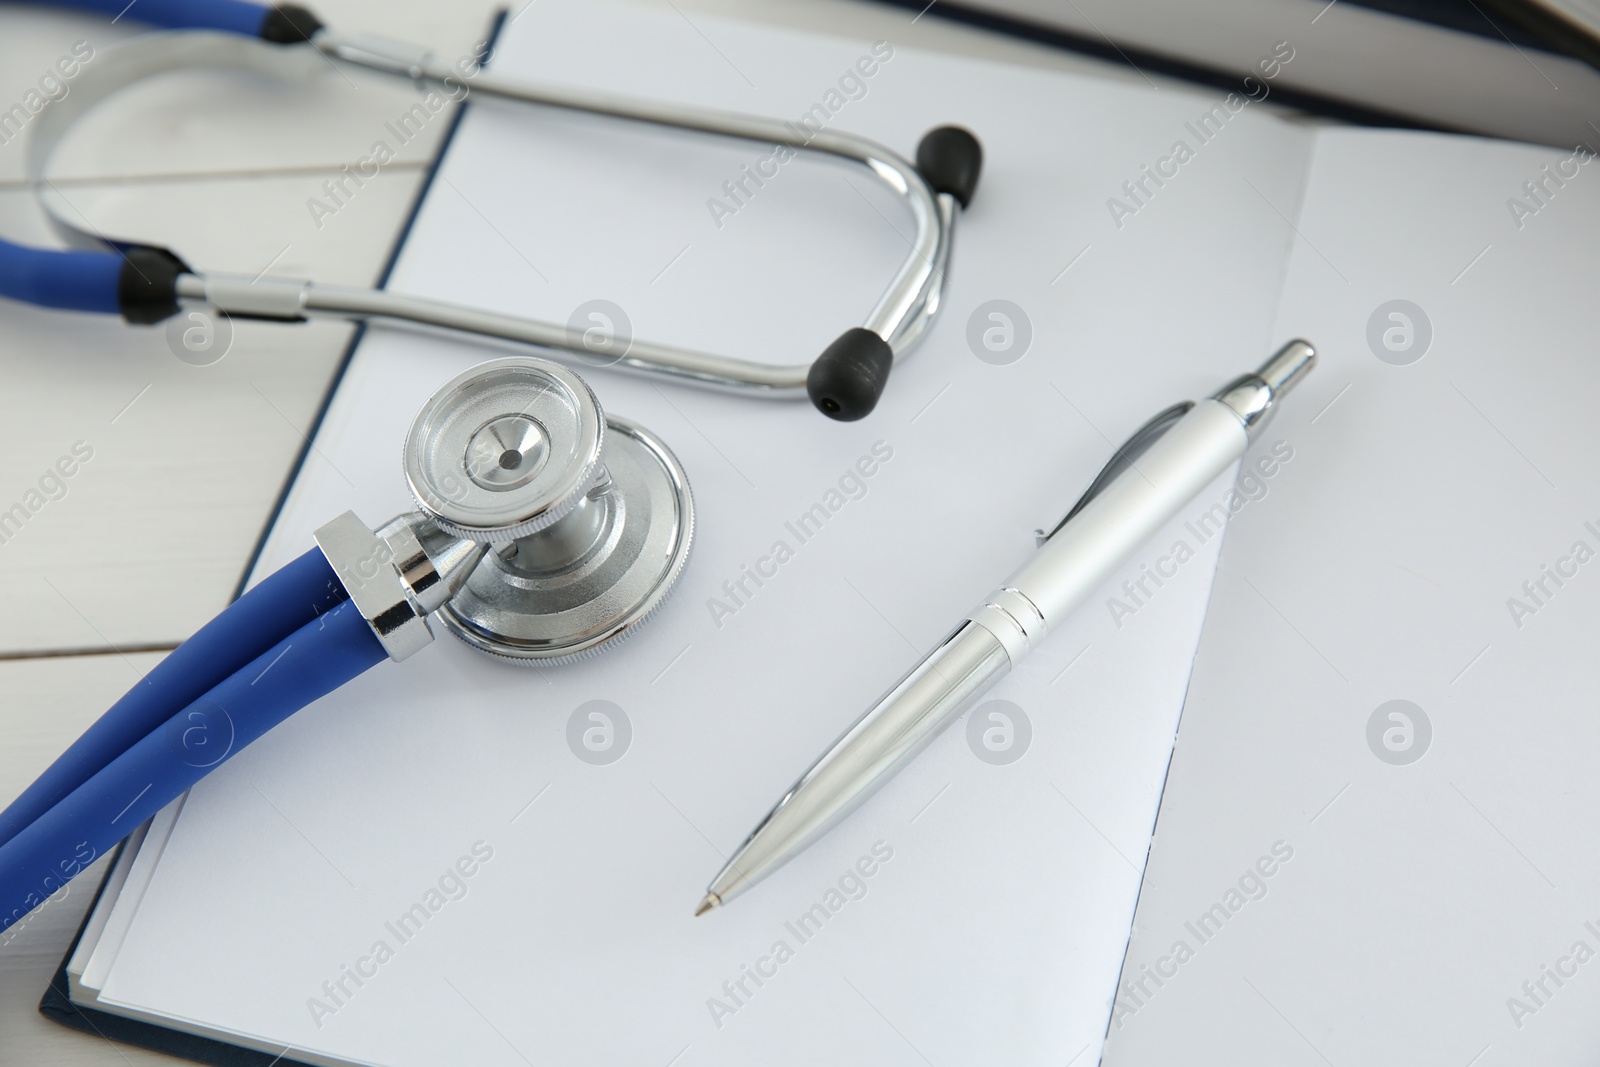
224,121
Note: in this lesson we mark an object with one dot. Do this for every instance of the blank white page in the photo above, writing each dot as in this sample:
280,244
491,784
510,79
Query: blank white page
1443,859
994,920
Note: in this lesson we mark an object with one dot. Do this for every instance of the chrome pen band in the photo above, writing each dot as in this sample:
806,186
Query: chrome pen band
1254,397
1013,620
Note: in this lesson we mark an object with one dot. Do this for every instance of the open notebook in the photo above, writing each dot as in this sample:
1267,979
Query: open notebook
420,869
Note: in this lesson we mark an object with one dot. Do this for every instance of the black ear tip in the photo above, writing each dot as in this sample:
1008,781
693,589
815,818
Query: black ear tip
289,24
147,285
950,159
848,378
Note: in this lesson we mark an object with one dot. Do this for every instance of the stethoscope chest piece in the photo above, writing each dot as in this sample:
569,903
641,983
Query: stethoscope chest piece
590,518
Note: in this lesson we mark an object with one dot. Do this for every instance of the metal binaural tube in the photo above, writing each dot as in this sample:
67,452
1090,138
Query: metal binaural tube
844,381
917,284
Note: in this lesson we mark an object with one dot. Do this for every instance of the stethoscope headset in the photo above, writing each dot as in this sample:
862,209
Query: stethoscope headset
147,284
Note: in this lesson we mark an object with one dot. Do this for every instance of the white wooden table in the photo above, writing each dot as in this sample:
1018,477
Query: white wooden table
154,531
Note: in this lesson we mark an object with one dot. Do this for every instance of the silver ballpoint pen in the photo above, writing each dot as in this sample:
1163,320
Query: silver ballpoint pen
1162,467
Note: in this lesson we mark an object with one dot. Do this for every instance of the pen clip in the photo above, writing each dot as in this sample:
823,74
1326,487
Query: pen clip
1123,458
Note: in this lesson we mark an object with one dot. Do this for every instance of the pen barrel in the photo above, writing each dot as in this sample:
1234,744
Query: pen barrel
1074,563
1071,566
903,722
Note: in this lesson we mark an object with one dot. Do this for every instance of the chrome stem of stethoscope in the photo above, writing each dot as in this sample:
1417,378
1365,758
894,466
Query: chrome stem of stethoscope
544,528
291,300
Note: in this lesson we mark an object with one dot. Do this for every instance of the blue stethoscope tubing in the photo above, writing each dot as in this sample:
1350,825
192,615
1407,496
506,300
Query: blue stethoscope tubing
229,16
290,640
93,281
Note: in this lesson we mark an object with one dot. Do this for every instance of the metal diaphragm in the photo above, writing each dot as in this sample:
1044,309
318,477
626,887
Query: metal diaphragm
505,449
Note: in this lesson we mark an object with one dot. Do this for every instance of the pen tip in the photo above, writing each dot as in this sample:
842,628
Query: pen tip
707,904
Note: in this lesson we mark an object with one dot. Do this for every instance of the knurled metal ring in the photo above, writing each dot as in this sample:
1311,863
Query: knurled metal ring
505,449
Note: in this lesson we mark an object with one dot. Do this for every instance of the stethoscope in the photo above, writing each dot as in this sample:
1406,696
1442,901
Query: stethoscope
147,284
545,531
